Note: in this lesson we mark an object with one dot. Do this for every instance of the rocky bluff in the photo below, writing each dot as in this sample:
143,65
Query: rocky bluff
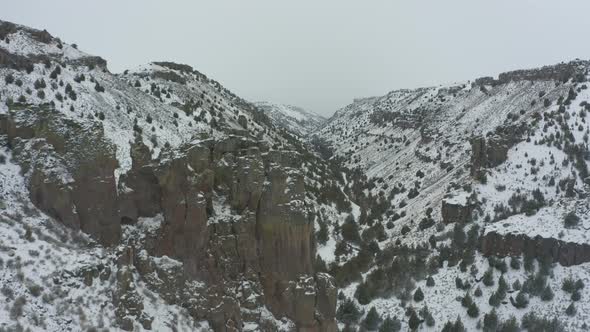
231,214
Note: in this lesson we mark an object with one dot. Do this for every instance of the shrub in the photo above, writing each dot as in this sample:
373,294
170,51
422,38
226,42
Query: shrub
98,87
478,292
576,295
16,310
568,285
521,300
430,281
515,263
571,220
9,79
39,84
547,294
571,310
531,322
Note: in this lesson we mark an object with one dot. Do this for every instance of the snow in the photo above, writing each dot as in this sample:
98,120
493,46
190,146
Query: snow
547,223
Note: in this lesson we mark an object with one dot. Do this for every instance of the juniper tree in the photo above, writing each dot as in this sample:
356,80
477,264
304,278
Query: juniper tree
547,294
571,310
372,319
418,295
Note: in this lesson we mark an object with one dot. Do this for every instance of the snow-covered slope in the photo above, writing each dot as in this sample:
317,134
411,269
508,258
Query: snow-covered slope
164,169
295,119
448,174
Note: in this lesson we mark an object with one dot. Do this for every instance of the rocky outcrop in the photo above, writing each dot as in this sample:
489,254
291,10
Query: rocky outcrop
452,211
229,214
564,253
232,211
492,150
70,169
559,72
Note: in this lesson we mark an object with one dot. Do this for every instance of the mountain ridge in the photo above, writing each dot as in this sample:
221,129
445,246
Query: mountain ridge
158,199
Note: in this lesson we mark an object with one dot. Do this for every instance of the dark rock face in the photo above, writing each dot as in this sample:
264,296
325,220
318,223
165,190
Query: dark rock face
564,253
89,61
71,170
491,151
233,217
559,72
456,212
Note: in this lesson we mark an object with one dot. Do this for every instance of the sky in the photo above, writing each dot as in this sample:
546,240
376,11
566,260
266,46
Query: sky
320,54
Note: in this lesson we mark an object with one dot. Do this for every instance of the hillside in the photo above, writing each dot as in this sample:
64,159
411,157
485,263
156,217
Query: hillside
458,182
295,119
152,199
157,199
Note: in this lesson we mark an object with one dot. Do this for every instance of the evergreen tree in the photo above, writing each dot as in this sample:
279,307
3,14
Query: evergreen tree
363,293
521,300
390,325
478,292
473,310
430,281
494,301
347,312
466,301
372,319
502,286
490,321
350,230
418,295
488,277
547,294
516,285
571,310
576,295
414,321
511,325
515,263
458,325
448,327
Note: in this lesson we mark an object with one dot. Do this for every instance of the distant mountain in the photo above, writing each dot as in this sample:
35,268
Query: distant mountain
293,118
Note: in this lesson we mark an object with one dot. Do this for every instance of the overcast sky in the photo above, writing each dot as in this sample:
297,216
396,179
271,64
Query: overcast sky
320,54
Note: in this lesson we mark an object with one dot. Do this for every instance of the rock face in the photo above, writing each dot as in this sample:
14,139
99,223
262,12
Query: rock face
558,72
564,253
232,215
491,151
71,169
454,212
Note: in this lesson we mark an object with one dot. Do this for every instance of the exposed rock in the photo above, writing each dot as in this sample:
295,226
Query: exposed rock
242,121
87,163
491,151
559,72
452,211
564,253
